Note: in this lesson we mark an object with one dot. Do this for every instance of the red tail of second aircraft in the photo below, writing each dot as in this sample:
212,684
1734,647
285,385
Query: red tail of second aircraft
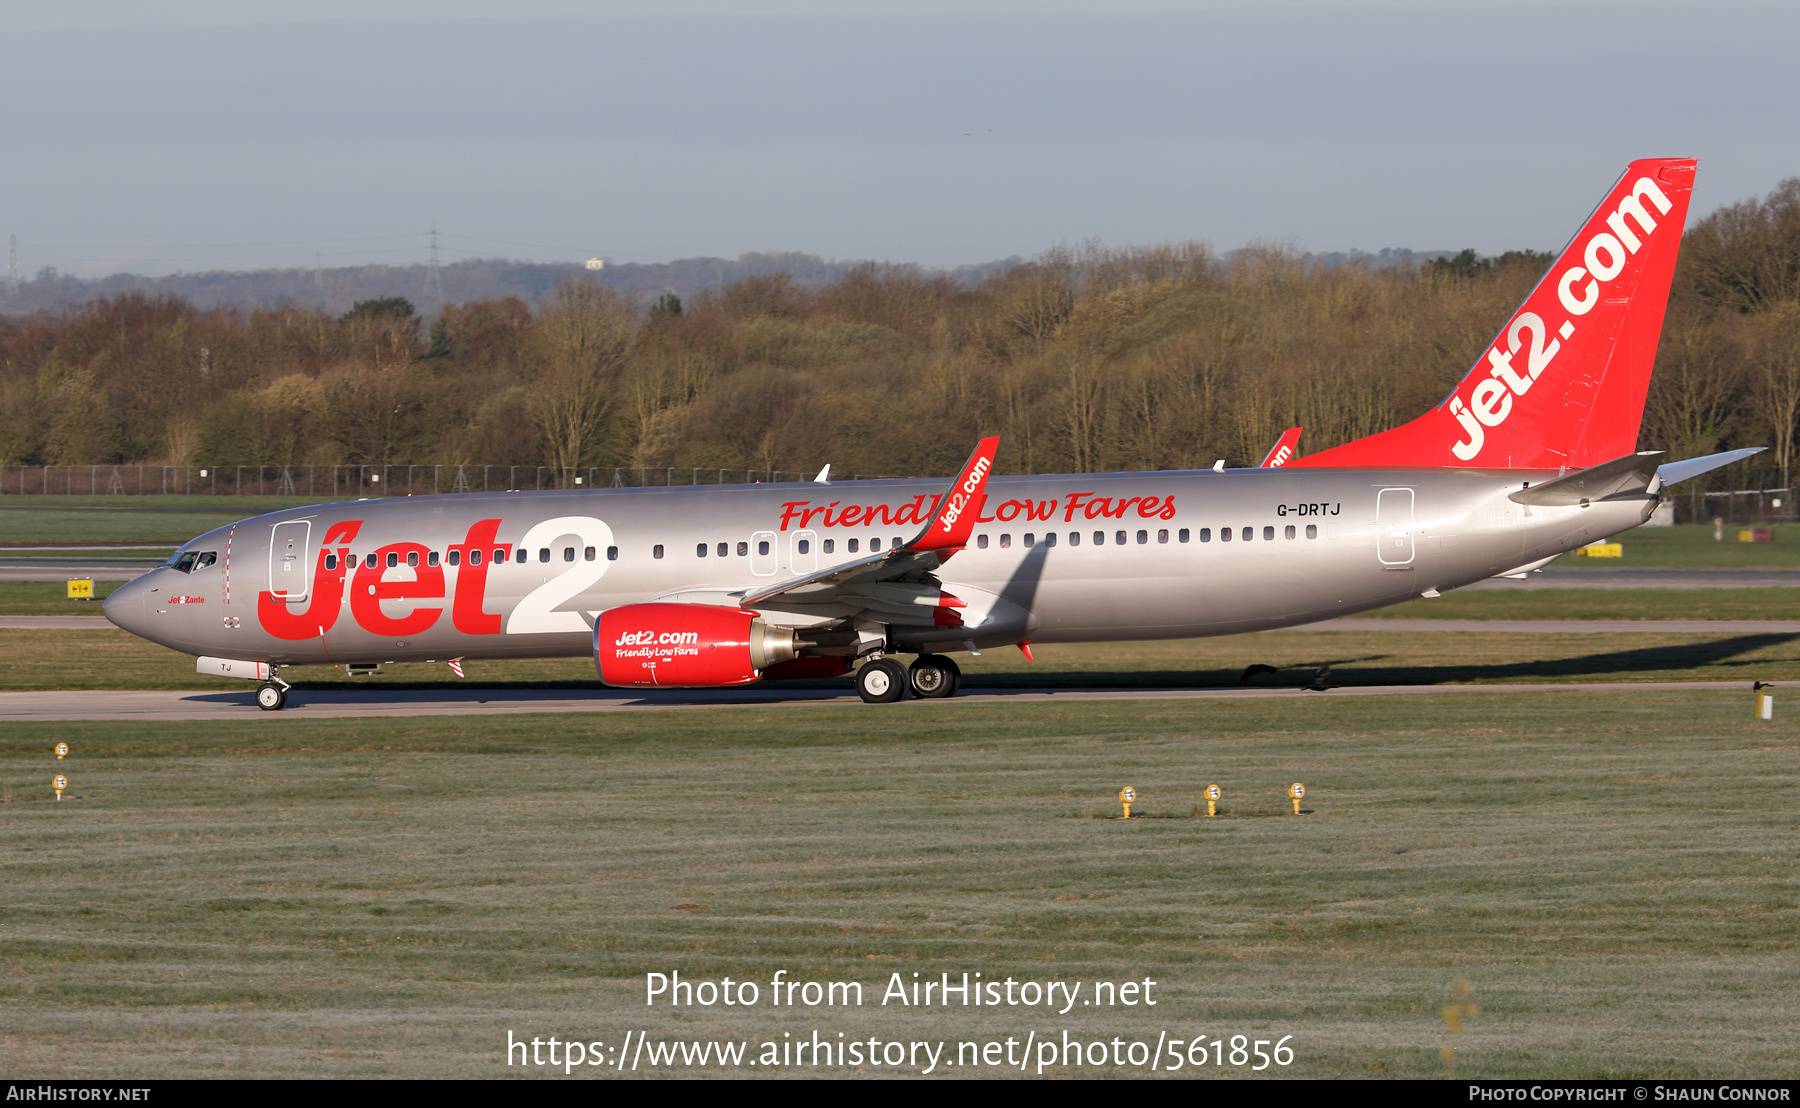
1563,383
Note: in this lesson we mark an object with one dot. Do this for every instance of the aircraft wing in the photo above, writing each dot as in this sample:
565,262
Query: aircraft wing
896,582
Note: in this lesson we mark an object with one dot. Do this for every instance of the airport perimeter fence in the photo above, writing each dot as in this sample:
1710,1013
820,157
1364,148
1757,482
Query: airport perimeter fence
336,481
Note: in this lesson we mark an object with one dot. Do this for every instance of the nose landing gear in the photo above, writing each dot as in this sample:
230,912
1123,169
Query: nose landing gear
271,695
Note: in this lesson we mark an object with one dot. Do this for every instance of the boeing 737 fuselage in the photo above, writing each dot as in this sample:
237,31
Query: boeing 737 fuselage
1531,456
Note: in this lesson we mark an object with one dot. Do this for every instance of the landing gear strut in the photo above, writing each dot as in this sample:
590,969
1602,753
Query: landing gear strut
271,695
933,676
881,681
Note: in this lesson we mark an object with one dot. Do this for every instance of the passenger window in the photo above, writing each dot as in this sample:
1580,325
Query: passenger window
656,551
1225,534
762,547
1030,540
543,553
1143,537
499,556
981,542
331,561
412,558
1312,530
1005,542
206,559
588,554
455,557
1050,539
1162,536
897,543
1181,535
743,549
568,553
874,544
852,545
1290,530
805,546
829,545
1119,538
394,558
474,556
724,549
1074,538
1206,534
1099,538
1268,534
612,553
700,551
1250,533
431,559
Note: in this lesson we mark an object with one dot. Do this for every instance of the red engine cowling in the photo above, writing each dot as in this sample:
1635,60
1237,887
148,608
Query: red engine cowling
686,645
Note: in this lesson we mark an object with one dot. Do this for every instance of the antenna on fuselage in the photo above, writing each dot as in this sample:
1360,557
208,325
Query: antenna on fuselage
824,477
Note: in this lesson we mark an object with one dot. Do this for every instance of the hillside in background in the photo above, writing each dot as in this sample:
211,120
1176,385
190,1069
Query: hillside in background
336,290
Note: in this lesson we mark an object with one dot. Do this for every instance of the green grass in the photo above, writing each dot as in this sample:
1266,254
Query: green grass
1627,604
108,659
1691,546
1611,874
50,598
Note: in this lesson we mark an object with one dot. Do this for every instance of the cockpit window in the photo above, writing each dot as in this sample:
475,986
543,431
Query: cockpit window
187,561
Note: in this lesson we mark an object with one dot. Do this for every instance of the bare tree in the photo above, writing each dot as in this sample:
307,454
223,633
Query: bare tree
585,330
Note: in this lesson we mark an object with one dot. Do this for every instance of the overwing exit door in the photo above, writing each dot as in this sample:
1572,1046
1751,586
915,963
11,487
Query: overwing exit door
1394,527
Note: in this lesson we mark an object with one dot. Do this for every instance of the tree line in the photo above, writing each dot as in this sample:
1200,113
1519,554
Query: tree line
1086,358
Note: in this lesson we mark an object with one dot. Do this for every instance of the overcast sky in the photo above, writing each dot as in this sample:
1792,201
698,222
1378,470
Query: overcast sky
198,135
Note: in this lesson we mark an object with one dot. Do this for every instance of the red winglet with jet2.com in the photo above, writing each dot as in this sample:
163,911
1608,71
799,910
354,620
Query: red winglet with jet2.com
954,522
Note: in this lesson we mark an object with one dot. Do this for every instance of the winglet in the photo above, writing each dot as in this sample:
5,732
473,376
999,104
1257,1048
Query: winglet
954,520
1283,449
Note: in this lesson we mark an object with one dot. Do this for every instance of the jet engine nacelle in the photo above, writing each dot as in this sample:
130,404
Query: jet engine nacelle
686,645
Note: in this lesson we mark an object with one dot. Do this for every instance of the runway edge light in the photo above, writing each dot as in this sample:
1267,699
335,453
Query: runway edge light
59,783
1126,796
1213,793
62,751
1295,792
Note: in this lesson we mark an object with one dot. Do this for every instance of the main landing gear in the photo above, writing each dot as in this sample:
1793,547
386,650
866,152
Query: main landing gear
884,680
271,695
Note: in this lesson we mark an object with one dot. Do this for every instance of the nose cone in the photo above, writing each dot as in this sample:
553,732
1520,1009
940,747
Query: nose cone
125,607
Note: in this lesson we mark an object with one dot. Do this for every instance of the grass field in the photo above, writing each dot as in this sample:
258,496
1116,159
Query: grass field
1693,547
106,659
1611,874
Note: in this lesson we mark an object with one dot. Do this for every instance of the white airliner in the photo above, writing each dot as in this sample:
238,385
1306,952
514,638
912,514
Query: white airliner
1531,455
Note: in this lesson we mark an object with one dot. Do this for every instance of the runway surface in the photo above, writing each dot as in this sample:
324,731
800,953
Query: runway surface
21,707
1403,626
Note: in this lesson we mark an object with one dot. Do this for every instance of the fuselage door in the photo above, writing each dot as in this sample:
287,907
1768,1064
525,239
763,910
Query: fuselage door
290,569
1394,527
764,558
804,556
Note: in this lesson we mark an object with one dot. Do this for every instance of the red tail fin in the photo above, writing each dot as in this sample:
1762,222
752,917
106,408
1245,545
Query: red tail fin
1563,384
1283,450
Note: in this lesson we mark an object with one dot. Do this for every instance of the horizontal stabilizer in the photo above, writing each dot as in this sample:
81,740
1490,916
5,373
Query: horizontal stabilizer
1674,472
1627,476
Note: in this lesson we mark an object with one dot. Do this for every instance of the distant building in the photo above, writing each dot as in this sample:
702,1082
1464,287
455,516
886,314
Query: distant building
596,263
